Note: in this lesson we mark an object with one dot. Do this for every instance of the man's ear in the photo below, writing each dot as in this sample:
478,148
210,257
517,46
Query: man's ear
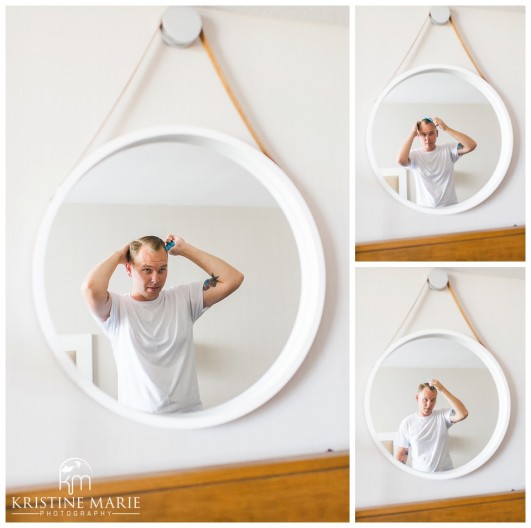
128,268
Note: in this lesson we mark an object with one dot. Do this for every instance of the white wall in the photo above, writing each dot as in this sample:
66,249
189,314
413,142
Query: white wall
383,36
493,300
65,68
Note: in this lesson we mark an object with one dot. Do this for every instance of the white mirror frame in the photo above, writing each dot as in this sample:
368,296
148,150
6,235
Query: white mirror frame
312,272
506,131
502,388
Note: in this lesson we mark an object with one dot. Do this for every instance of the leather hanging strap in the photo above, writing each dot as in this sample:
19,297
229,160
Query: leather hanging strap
466,49
459,37
121,94
230,93
410,48
134,72
451,290
416,302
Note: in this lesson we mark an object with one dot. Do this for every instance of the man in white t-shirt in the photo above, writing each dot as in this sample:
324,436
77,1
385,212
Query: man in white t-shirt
151,328
424,434
432,164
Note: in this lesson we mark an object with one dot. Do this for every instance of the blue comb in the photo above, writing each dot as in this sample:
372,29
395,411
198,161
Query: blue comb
169,245
428,118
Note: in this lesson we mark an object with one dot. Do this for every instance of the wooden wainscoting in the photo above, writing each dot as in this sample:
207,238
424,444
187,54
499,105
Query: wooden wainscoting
500,507
489,245
303,489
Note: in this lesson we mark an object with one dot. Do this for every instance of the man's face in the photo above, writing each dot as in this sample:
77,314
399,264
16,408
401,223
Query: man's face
427,135
148,273
426,400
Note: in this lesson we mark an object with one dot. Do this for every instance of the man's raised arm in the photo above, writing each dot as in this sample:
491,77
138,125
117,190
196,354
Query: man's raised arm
467,144
96,284
403,153
460,411
225,279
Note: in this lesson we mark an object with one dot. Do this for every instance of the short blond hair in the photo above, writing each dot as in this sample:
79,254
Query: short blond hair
154,243
423,386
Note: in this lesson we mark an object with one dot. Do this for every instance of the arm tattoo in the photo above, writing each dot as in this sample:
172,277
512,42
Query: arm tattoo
210,283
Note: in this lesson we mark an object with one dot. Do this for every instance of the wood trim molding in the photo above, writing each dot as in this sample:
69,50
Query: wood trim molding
499,507
305,489
489,245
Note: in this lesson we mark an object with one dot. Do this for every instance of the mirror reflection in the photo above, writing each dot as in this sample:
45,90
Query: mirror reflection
456,149
200,196
433,430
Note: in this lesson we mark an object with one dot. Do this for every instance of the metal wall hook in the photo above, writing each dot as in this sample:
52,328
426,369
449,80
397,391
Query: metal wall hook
439,15
180,26
437,279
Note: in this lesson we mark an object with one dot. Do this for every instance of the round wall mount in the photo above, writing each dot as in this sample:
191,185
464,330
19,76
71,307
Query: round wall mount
440,15
180,26
437,279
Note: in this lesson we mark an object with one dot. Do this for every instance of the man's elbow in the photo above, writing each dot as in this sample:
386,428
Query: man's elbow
233,283
470,146
402,162
463,416
238,280
86,288
89,291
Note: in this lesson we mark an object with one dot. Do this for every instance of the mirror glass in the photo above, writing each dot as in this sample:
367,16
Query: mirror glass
466,103
223,197
466,369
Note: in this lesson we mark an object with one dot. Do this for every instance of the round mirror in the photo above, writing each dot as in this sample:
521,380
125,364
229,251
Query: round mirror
221,195
468,372
467,104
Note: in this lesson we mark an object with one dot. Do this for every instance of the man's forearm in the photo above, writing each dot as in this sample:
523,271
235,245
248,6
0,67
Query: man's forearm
226,274
461,411
465,140
403,153
97,281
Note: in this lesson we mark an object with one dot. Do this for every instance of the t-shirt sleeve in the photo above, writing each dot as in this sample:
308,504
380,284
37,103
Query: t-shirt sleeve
401,439
412,160
110,324
453,151
195,293
447,414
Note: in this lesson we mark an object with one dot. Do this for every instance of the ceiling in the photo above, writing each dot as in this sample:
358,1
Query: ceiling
173,174
436,87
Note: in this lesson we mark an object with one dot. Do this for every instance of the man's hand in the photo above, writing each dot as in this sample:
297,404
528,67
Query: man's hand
179,244
437,121
460,411
437,384
123,254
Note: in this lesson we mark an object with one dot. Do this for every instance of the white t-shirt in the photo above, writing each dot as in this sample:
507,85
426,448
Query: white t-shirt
427,439
434,175
152,343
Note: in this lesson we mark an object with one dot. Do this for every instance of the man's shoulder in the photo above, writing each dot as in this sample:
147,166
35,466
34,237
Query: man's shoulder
444,412
409,418
180,289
